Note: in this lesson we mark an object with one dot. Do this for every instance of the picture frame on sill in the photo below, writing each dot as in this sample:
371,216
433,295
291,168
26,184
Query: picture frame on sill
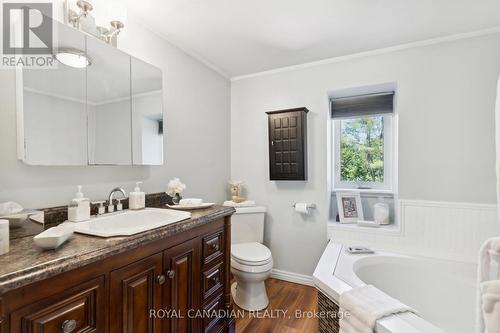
349,207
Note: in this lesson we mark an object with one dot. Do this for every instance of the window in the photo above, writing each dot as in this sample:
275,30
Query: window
363,142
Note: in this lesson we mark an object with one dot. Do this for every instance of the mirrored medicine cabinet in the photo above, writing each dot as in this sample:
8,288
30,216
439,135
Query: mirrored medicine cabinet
98,106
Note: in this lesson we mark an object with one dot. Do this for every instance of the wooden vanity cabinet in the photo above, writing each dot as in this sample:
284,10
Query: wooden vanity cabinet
188,272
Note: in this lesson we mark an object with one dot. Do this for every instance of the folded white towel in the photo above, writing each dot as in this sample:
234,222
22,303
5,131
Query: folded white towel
346,327
247,203
353,324
491,305
484,273
190,202
10,208
490,287
367,304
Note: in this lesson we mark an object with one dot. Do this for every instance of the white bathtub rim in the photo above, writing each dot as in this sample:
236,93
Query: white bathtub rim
332,286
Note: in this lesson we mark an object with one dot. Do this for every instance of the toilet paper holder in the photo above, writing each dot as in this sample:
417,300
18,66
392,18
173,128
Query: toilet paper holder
309,206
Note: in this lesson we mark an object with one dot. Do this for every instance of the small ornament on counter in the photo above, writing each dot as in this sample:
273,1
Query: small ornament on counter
236,187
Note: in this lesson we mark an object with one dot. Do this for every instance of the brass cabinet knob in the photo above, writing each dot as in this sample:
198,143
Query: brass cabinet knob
69,326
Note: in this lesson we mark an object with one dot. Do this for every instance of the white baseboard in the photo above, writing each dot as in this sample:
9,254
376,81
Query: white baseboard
292,277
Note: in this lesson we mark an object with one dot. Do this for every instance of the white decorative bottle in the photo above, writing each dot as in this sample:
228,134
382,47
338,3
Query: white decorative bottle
137,199
381,213
79,208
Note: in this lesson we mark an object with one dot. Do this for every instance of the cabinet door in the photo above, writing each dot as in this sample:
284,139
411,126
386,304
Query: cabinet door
288,144
182,263
134,291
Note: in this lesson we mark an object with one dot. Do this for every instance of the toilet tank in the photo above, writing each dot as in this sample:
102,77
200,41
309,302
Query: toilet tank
247,225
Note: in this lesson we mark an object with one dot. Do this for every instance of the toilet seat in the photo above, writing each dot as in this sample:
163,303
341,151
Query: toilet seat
251,257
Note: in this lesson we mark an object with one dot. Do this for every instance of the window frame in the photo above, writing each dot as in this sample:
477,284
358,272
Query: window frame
389,157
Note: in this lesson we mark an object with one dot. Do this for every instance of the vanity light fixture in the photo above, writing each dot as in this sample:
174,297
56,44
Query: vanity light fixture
110,12
85,7
73,58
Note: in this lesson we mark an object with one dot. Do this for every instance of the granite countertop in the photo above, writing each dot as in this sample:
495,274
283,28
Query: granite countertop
26,263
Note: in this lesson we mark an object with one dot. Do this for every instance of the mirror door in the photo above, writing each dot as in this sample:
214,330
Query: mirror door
147,113
108,105
52,109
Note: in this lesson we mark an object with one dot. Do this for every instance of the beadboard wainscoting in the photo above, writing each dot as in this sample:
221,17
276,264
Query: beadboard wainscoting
444,230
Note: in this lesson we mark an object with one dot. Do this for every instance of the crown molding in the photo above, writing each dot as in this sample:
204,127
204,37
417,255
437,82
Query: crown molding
406,46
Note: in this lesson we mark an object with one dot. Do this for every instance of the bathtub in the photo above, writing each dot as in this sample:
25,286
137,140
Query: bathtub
442,292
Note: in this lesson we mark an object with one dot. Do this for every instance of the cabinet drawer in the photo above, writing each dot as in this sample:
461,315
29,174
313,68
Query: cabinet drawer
213,246
213,314
212,280
80,309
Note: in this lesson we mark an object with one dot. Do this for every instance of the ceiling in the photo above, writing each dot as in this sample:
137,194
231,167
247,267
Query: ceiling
243,37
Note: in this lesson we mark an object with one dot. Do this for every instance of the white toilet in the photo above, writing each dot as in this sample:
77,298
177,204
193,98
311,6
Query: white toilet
251,261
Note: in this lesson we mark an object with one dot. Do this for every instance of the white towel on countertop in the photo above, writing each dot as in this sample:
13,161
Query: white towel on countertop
10,208
190,202
363,306
247,203
484,273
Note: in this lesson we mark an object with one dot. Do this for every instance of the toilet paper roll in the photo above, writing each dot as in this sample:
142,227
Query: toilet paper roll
301,207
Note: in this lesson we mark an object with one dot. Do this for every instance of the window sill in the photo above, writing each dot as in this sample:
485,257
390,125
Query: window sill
392,229
364,190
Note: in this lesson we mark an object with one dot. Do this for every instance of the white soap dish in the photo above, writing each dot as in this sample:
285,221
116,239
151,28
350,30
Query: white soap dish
54,237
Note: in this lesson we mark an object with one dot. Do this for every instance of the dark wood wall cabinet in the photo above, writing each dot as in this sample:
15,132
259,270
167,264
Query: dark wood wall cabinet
288,144
163,286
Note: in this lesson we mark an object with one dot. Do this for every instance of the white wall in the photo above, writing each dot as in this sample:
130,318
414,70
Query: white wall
196,136
446,95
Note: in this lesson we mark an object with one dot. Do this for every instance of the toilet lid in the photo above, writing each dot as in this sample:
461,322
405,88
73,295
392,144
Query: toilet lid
246,267
250,252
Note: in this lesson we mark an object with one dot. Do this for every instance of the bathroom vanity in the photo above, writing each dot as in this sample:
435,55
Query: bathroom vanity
148,282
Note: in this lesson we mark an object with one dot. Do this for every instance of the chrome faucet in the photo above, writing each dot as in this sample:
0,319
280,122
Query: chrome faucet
111,207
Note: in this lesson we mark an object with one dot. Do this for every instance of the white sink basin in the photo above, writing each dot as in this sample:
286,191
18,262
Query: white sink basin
130,222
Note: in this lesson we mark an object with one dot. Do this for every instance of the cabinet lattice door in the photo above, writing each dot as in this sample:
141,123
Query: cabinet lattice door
288,144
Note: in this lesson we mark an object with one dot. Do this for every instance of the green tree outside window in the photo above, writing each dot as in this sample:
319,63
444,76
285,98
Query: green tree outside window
362,150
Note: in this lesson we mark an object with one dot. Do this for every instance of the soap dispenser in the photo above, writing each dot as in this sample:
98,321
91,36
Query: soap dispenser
79,208
137,199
